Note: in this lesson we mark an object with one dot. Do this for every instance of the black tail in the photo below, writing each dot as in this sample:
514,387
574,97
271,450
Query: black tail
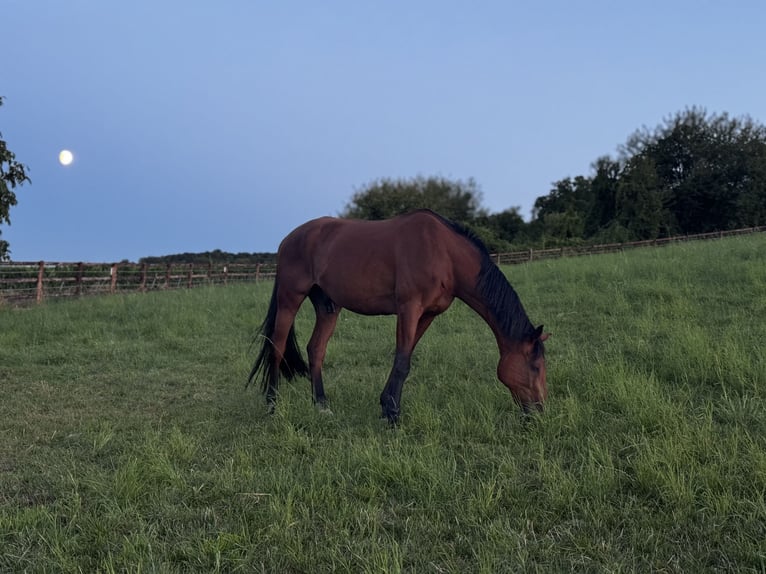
292,361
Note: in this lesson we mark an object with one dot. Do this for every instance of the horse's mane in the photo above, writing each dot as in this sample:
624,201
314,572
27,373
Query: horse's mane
495,290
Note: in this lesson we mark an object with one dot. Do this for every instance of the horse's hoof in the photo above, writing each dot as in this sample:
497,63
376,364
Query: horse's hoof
392,419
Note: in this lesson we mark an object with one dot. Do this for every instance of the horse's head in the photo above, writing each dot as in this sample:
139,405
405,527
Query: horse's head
522,370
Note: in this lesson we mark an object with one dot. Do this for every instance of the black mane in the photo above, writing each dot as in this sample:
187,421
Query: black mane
495,290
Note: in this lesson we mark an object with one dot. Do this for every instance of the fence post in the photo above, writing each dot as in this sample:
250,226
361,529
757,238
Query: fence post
167,276
113,285
225,274
531,254
210,272
78,279
257,272
40,273
190,275
142,286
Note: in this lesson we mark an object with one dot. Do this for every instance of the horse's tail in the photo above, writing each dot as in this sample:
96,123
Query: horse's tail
292,363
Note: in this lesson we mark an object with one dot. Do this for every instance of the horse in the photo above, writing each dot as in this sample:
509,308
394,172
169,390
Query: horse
412,266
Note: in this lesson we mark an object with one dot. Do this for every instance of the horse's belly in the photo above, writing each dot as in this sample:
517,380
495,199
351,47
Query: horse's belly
366,302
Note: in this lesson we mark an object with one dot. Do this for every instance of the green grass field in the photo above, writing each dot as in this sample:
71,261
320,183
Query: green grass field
128,442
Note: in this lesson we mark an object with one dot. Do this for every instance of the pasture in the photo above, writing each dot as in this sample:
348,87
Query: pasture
129,443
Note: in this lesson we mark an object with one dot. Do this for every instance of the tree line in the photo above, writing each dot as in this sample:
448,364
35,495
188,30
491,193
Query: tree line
694,173
216,257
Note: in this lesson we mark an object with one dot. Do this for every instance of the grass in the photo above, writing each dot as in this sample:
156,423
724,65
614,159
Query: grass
129,444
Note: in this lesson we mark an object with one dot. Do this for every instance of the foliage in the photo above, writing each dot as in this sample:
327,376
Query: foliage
455,199
215,256
638,202
384,198
695,173
499,230
707,166
12,173
130,444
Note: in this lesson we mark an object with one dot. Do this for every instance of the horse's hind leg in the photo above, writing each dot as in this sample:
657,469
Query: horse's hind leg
326,318
289,303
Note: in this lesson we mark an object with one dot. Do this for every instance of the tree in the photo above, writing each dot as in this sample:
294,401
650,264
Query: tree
499,230
751,202
564,211
567,195
638,203
12,173
384,198
603,192
692,174
710,169
507,224
564,225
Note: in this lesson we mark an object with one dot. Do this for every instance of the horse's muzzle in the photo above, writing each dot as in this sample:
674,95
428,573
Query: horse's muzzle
529,408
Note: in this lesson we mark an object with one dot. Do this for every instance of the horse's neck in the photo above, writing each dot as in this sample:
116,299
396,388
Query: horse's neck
488,292
469,294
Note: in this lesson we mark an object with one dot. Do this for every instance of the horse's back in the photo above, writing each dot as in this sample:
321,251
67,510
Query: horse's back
370,266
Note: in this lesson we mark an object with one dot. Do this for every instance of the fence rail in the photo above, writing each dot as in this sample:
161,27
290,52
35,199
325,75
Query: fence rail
515,257
22,282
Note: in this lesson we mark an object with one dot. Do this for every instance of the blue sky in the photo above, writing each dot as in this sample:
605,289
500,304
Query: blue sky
223,125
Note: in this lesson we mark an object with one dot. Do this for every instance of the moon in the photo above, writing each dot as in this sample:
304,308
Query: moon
65,157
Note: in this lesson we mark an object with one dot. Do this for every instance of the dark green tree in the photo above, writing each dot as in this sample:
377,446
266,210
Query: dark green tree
12,173
500,230
751,200
710,169
638,203
507,224
567,195
384,198
694,173
564,211
563,227
603,193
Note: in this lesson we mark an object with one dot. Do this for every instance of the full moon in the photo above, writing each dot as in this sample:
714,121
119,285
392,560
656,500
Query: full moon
65,157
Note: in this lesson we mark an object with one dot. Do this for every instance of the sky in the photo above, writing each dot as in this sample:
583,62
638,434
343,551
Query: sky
223,125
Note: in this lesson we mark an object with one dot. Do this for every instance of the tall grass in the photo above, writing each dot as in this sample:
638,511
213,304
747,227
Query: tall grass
128,441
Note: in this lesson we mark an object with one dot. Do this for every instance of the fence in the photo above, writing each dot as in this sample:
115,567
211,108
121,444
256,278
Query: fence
528,255
25,282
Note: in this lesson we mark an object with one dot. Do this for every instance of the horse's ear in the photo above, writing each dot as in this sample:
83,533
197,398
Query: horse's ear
539,335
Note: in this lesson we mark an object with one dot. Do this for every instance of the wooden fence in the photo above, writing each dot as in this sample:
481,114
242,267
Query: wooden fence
30,282
527,255
24,281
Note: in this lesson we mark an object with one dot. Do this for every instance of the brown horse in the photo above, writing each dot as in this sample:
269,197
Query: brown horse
411,266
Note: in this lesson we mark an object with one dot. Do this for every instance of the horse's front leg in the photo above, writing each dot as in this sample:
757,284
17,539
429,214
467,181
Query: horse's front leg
409,329
391,397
